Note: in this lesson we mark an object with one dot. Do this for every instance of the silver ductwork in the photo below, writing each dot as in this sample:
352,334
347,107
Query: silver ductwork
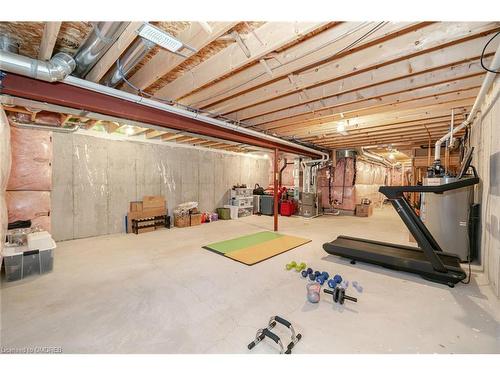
368,155
130,59
95,46
56,69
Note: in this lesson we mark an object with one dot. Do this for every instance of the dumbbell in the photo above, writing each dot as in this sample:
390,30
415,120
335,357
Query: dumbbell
300,267
291,265
339,295
307,272
332,283
314,276
322,278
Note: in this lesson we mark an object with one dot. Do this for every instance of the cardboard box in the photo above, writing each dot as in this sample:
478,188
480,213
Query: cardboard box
136,206
195,219
182,221
153,201
364,210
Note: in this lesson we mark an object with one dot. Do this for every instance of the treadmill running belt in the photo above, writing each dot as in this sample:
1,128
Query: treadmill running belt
398,257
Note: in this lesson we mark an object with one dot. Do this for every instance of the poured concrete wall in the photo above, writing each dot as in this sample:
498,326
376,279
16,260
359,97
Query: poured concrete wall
94,179
485,137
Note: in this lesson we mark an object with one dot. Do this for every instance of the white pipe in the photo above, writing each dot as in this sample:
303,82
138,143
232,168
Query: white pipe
36,126
485,87
74,81
374,157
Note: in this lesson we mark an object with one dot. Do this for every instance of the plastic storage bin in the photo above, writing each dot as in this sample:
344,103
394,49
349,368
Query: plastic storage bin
224,214
267,205
20,264
234,211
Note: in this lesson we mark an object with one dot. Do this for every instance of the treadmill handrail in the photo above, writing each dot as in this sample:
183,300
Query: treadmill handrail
396,191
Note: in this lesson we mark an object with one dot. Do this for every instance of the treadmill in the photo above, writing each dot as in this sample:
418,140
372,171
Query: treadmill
428,260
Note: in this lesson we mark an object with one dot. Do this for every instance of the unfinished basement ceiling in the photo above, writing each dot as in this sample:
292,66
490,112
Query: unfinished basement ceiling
383,83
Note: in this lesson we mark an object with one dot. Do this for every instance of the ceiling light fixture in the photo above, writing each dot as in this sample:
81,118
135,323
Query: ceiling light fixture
163,39
129,130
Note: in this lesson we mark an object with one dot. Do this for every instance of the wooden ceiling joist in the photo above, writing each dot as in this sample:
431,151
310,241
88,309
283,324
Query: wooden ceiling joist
49,38
164,61
436,79
410,108
265,39
314,50
424,40
417,113
155,134
449,57
375,103
114,52
171,137
443,120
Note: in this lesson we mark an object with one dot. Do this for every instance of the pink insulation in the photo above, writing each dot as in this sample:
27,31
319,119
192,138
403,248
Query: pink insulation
347,179
5,163
29,205
31,160
362,191
344,198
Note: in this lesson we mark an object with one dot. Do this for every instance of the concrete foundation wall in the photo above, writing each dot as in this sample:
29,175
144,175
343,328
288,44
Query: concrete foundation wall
485,137
94,179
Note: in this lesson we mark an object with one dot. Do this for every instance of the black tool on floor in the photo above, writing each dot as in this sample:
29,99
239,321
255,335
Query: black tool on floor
266,332
339,295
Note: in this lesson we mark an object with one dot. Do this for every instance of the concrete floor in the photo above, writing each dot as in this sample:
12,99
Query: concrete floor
160,292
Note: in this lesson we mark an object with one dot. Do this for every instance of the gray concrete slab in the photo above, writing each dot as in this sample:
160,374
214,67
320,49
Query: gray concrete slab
160,292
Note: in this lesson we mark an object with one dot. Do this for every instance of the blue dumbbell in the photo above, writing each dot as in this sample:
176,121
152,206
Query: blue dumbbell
321,278
312,277
309,270
337,279
325,275
332,283
304,274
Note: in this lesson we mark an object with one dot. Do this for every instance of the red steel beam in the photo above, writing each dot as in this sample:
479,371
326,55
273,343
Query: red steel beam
275,174
86,100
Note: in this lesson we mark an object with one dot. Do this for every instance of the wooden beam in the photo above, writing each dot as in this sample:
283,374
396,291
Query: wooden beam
319,48
155,134
114,52
380,92
171,137
111,126
425,40
164,61
458,56
266,39
405,112
397,126
49,38
377,98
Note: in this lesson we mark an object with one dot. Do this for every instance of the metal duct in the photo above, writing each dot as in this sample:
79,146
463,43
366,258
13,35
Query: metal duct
56,69
130,59
374,157
95,46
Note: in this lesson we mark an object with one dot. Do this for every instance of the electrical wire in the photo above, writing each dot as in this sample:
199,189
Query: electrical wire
484,50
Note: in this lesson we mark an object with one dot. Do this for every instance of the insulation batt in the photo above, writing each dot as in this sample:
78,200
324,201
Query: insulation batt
5,163
31,160
30,205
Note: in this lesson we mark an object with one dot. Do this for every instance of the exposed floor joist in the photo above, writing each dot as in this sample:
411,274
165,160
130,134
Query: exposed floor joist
264,40
49,39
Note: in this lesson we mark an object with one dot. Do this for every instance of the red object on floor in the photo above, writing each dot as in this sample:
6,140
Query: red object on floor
287,208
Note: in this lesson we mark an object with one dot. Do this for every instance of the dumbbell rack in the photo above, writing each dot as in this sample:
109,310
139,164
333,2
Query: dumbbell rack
266,332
